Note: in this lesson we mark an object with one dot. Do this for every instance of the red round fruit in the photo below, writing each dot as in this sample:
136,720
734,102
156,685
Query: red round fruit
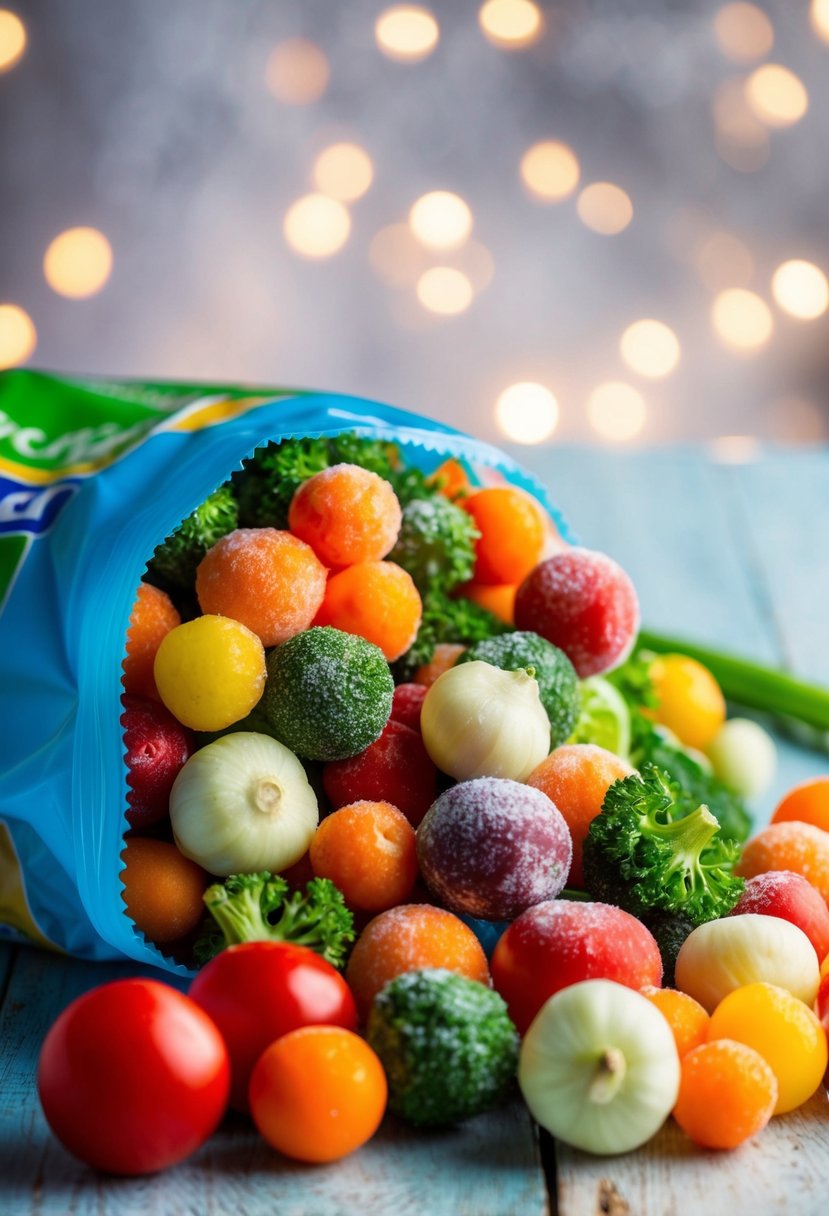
491,847
584,603
407,703
157,746
133,1077
258,991
791,897
559,943
822,1003
395,768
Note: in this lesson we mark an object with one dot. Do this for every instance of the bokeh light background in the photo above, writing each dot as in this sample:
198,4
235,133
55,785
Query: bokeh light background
596,221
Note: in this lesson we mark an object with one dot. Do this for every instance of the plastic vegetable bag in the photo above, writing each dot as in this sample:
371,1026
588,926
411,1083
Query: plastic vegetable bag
93,476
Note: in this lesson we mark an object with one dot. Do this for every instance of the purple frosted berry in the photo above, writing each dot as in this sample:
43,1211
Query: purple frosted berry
491,848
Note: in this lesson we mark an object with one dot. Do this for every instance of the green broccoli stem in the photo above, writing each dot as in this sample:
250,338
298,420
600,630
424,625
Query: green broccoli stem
751,684
688,838
239,916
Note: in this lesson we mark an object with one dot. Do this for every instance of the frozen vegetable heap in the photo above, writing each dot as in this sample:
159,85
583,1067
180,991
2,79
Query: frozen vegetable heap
396,762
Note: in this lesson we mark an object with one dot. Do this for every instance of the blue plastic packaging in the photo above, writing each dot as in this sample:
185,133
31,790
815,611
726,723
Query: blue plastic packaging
63,629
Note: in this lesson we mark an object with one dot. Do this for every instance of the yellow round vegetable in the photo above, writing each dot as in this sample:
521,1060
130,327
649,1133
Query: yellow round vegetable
691,703
210,672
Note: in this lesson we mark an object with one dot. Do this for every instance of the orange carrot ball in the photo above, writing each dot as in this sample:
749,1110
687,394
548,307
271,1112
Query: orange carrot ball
405,939
346,514
685,1016
376,600
806,803
726,1094
513,534
576,777
268,580
153,616
162,888
497,598
446,655
800,847
368,850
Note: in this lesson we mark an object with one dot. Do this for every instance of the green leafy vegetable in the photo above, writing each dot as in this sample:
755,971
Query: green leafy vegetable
446,620
175,559
436,543
650,744
258,907
650,849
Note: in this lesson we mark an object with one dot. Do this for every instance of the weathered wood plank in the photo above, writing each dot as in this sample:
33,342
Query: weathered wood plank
491,1165
783,1170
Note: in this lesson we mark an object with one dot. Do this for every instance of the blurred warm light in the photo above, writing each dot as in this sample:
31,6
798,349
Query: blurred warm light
797,420
605,208
527,412
743,32
512,24
316,226
736,449
344,171
18,336
444,290
476,262
550,171
722,260
12,39
776,95
819,13
78,262
396,256
742,140
800,289
441,220
741,319
650,348
616,411
297,72
407,32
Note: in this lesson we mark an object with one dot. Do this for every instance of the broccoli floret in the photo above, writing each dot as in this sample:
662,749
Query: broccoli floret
446,620
436,543
648,850
446,1043
650,745
258,907
175,559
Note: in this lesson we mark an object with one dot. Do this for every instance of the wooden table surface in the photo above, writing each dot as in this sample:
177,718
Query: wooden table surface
735,555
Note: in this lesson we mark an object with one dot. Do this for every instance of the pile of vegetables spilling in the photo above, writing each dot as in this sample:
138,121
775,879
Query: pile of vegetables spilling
398,764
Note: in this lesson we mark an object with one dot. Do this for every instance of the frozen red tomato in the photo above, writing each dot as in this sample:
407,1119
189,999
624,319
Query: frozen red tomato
395,768
559,943
584,603
156,748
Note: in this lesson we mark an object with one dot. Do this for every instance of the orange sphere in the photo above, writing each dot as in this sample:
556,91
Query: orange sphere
690,701
446,655
376,600
727,1094
806,803
162,888
800,847
318,1093
346,514
576,778
153,616
513,534
267,580
405,939
685,1016
368,850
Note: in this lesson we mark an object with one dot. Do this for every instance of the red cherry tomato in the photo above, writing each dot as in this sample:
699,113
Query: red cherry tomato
258,991
133,1077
